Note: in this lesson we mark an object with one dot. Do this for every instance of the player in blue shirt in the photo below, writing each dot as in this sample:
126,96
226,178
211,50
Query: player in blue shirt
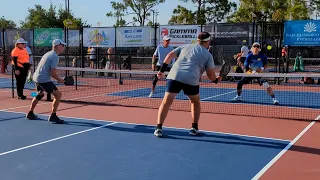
161,52
256,62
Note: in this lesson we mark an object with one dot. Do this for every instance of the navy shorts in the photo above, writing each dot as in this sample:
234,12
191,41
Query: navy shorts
176,86
48,87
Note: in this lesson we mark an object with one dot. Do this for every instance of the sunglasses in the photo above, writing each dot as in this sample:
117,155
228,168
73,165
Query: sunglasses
256,46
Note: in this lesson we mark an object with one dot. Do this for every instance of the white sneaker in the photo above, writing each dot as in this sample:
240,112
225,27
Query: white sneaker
158,132
194,132
237,98
150,95
275,102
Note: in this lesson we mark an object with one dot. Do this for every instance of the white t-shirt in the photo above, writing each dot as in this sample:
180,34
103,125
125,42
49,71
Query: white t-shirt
245,51
92,52
30,54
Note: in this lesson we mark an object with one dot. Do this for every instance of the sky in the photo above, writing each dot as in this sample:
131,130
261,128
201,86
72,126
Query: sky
92,11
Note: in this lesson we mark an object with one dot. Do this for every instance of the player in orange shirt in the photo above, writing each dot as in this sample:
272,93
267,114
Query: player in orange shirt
21,65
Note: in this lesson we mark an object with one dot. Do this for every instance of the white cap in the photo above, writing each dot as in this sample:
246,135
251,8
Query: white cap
57,42
256,43
22,41
165,38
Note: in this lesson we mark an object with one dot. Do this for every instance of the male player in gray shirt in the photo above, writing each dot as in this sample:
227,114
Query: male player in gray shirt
42,78
193,60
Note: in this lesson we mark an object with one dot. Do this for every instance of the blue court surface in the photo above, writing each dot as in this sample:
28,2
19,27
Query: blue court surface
87,149
7,83
249,96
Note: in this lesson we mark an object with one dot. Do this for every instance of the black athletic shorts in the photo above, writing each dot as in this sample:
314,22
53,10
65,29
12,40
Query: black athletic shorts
48,87
174,86
242,59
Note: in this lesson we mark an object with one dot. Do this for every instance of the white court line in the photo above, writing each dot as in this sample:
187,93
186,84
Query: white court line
5,82
276,158
61,137
218,95
39,104
18,107
119,122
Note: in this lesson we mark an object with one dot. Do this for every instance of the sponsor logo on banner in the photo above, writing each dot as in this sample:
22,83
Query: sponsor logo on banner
45,36
180,35
98,37
133,36
302,33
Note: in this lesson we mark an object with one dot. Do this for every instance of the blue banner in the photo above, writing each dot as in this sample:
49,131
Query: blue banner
302,33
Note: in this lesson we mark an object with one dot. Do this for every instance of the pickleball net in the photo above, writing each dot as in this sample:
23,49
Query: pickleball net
129,88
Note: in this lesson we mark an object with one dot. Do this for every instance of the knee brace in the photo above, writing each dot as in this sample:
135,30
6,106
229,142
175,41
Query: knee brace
39,96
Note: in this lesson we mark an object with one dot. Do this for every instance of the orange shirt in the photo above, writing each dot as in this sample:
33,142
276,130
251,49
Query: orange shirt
22,54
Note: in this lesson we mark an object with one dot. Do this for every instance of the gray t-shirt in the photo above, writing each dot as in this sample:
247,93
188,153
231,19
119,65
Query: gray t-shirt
192,62
48,61
161,52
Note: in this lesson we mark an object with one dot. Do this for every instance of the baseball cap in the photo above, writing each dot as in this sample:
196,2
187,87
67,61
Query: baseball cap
204,36
165,38
255,44
22,41
57,42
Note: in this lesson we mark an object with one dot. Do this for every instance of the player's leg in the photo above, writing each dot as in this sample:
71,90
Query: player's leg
20,82
57,97
154,82
35,100
193,94
173,88
266,85
49,87
243,81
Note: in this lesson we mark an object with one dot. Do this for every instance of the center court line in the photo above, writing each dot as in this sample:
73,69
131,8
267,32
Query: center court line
127,123
218,95
276,158
55,139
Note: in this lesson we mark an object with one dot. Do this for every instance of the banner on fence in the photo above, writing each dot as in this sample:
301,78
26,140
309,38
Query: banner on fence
231,31
45,36
302,33
12,35
180,34
99,37
1,38
134,36
73,38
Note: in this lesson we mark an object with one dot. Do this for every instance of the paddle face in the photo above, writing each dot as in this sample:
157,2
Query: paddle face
225,69
68,81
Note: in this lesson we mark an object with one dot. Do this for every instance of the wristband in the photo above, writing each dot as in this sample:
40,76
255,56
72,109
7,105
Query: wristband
154,62
163,67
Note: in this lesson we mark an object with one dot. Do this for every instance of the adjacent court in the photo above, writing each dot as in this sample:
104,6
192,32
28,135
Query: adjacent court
249,96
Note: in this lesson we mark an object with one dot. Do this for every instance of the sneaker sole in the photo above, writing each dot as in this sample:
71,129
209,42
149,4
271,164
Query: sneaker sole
157,135
193,134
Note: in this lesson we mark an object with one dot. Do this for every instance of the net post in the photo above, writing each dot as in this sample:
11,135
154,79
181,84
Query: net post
76,80
119,64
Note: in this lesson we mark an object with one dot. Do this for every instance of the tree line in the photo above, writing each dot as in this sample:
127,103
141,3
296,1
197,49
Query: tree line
207,11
